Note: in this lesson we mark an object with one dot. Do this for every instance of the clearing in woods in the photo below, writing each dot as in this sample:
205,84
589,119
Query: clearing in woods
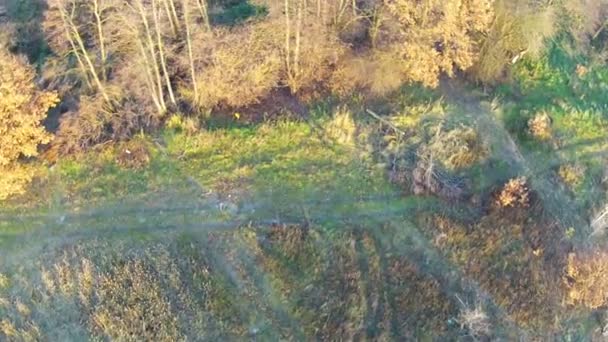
269,212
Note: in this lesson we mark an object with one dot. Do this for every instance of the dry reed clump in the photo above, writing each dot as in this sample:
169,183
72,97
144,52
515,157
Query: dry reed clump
586,279
514,194
457,148
4,281
16,323
581,70
476,321
539,126
342,127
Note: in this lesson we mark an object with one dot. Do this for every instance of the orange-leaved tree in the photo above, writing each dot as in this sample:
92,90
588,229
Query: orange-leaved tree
22,109
439,36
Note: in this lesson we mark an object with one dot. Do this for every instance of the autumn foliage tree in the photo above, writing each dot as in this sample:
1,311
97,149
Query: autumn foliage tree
439,36
124,66
415,42
22,108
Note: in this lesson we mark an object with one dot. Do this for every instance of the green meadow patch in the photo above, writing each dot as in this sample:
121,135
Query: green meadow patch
286,165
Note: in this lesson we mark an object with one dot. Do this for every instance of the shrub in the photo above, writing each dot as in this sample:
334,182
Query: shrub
348,76
78,131
14,179
539,126
572,175
95,122
439,37
514,194
133,154
587,279
183,124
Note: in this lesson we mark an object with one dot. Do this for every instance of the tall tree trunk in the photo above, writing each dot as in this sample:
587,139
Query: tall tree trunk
83,68
186,9
72,29
172,22
152,51
161,51
298,39
174,13
319,8
203,8
94,74
102,42
149,69
288,45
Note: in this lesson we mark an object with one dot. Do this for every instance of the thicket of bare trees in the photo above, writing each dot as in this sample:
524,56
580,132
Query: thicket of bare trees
179,56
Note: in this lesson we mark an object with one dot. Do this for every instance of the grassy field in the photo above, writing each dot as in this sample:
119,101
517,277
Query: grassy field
311,228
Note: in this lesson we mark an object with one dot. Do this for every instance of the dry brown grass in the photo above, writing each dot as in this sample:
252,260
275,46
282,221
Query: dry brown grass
498,252
124,292
130,305
587,279
134,154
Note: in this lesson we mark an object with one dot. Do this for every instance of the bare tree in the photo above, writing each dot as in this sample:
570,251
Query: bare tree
69,12
187,24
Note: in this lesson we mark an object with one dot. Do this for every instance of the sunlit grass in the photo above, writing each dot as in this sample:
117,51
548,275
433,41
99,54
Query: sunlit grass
288,164
570,88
